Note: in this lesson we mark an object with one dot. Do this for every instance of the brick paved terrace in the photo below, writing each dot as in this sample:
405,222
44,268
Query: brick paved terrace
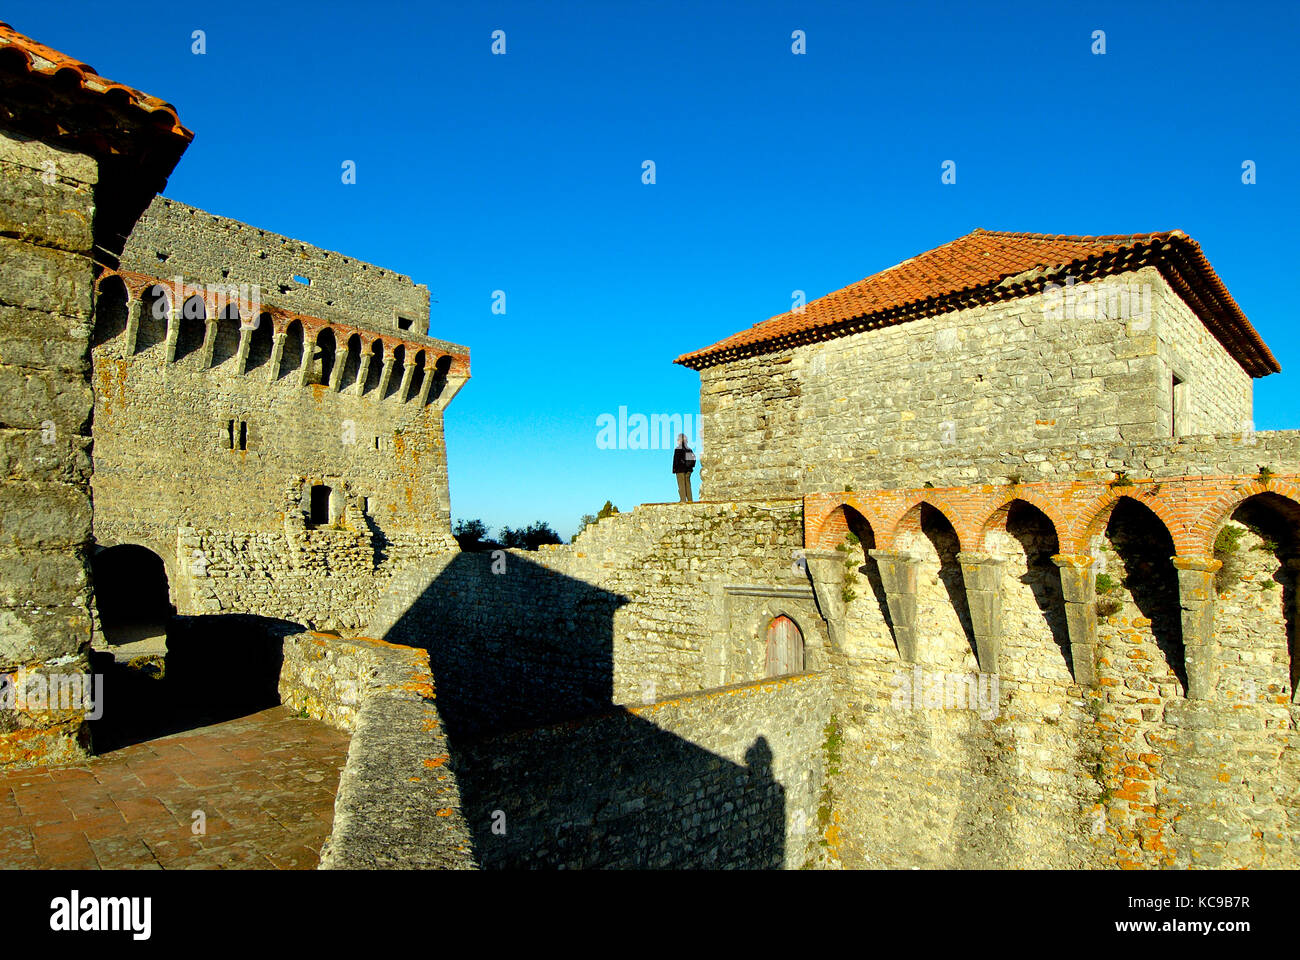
265,783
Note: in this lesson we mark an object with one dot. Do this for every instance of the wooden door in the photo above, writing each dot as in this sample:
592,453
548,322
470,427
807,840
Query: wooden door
784,648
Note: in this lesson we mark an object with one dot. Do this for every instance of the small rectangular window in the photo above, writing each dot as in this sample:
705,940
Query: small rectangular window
299,278
404,323
320,505
243,435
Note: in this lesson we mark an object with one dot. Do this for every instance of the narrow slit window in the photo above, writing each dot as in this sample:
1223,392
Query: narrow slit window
230,434
243,435
1178,406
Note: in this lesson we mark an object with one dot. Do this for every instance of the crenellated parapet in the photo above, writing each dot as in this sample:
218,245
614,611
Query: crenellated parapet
343,357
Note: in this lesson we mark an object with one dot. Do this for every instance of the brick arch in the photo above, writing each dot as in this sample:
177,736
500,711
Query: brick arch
909,519
832,526
1207,526
281,320
164,293
110,276
136,285
1033,499
1098,515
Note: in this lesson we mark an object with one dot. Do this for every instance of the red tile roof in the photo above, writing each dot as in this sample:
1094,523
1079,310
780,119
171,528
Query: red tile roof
986,266
37,58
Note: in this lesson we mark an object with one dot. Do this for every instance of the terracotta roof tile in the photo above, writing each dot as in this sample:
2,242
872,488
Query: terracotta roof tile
985,266
37,58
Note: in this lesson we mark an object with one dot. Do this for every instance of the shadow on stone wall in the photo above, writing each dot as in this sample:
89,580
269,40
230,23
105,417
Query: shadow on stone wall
216,668
551,772
1143,545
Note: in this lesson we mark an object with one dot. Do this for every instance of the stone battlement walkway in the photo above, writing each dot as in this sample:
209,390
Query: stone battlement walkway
265,784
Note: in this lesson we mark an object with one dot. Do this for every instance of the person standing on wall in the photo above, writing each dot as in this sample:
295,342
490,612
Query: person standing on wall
683,464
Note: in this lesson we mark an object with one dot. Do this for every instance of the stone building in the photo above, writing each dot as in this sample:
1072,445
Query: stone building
1002,341
257,421
991,563
268,420
991,567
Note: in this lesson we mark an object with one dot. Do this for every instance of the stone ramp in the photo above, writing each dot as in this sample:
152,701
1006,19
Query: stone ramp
398,803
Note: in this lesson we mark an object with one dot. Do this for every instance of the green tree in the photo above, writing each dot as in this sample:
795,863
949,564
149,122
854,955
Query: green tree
530,537
469,534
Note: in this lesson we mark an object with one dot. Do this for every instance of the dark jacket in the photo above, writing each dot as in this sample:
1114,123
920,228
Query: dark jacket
683,460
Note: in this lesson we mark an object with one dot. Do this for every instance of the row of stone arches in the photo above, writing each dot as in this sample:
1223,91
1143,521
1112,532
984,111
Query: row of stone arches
1192,512
1139,604
281,346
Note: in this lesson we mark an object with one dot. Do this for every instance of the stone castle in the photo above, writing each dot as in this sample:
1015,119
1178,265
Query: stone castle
990,567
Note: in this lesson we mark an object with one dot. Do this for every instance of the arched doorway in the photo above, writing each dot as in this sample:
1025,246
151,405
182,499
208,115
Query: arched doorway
784,648
131,593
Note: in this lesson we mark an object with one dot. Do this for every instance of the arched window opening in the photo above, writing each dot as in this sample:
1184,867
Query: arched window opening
943,609
399,370
323,357
1136,582
1257,607
228,334
351,362
1036,634
440,371
260,343
154,311
110,311
193,328
376,369
417,379
291,355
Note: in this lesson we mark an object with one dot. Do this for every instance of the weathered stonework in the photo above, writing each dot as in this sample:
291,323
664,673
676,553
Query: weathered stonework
997,379
638,608
399,804
262,404
174,238
75,169
982,584
719,778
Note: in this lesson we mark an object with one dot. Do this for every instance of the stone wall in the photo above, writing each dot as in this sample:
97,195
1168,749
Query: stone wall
47,207
398,805
328,578
942,768
208,460
173,238
1220,394
1239,453
636,609
1018,375
727,778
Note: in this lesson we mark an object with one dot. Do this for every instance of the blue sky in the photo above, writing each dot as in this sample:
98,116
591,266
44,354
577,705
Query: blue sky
774,172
